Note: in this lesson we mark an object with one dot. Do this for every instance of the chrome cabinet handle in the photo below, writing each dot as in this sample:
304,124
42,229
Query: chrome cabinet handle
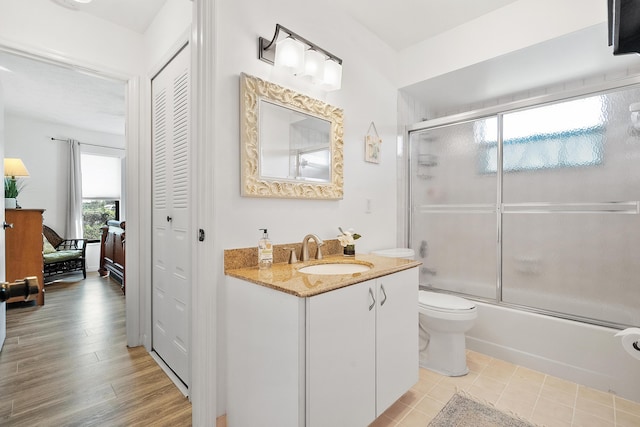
373,304
384,294
6,225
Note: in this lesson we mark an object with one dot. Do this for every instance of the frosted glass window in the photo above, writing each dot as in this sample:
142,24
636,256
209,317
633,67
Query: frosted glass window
590,164
567,134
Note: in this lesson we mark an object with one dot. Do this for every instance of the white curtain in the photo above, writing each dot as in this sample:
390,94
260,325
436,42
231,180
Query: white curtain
74,199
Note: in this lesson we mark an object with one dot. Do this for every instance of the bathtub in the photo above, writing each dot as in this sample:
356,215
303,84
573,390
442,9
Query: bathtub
578,352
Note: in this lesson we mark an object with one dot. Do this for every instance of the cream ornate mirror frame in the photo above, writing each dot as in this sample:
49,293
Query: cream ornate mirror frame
257,94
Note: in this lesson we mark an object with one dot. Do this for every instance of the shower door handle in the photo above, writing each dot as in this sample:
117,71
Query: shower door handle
423,249
373,299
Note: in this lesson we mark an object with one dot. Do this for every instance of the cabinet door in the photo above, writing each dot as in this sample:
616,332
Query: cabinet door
341,357
397,336
23,248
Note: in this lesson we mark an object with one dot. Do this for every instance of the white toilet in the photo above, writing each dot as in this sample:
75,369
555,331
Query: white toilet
444,319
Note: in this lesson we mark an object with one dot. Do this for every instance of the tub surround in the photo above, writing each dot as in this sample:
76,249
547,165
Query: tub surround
284,277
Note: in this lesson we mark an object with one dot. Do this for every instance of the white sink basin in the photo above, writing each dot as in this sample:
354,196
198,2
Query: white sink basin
335,268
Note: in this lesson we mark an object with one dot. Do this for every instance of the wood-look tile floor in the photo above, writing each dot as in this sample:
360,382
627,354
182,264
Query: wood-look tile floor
67,364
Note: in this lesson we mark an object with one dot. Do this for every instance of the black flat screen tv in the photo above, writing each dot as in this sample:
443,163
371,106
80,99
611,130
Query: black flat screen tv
624,26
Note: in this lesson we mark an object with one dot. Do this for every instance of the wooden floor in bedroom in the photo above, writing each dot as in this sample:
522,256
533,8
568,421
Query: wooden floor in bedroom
67,363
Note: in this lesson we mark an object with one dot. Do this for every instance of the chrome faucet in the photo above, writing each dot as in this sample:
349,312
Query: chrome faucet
304,253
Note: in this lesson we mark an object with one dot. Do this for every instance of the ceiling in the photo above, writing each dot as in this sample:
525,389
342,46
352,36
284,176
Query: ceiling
135,15
56,94
403,23
63,95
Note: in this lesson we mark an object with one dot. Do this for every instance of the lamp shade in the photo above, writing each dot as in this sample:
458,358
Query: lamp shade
290,55
14,167
332,75
314,65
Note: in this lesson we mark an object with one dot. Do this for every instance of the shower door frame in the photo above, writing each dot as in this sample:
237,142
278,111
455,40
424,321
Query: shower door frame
499,111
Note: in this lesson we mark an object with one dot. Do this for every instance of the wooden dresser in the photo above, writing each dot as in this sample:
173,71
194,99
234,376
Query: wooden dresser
23,247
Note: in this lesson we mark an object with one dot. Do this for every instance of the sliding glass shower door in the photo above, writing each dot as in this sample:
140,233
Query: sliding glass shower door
453,194
571,229
538,208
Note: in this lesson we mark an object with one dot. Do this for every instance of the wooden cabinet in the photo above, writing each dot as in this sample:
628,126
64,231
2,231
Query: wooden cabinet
112,251
338,358
23,247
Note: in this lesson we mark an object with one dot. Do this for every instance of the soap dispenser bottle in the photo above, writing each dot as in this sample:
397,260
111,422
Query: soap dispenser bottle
265,251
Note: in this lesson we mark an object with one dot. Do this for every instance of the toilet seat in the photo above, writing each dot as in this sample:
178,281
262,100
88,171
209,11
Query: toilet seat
444,302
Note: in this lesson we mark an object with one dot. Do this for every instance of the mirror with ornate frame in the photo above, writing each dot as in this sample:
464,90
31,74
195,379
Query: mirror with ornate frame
291,143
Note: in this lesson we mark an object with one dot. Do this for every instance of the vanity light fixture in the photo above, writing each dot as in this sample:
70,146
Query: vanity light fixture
290,55
301,57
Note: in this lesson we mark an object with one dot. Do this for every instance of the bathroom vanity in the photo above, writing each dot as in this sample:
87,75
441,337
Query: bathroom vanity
320,349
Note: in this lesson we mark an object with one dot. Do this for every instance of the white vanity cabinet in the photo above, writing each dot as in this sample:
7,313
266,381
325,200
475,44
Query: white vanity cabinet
338,358
362,349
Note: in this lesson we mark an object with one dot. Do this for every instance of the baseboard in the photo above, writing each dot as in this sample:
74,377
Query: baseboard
173,377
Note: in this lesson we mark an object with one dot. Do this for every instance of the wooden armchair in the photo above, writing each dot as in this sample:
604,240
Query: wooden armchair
68,255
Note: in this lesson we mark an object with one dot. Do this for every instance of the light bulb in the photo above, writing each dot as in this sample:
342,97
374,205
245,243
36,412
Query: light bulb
290,55
332,75
314,65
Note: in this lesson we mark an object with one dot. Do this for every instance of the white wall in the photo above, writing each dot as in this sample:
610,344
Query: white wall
367,94
171,22
47,162
516,26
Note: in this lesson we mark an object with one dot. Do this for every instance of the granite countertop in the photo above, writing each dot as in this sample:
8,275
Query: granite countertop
285,277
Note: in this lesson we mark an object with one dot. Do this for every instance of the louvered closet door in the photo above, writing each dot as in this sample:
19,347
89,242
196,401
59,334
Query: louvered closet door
171,282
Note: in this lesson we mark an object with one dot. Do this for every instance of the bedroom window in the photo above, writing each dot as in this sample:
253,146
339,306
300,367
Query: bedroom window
101,192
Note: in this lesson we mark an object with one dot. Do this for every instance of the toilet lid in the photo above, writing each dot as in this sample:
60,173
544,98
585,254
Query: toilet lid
395,253
446,301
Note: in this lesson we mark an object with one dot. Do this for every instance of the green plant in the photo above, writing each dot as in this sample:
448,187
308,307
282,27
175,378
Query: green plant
11,189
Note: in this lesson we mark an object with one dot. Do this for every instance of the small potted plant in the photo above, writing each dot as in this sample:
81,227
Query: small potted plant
348,241
11,192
